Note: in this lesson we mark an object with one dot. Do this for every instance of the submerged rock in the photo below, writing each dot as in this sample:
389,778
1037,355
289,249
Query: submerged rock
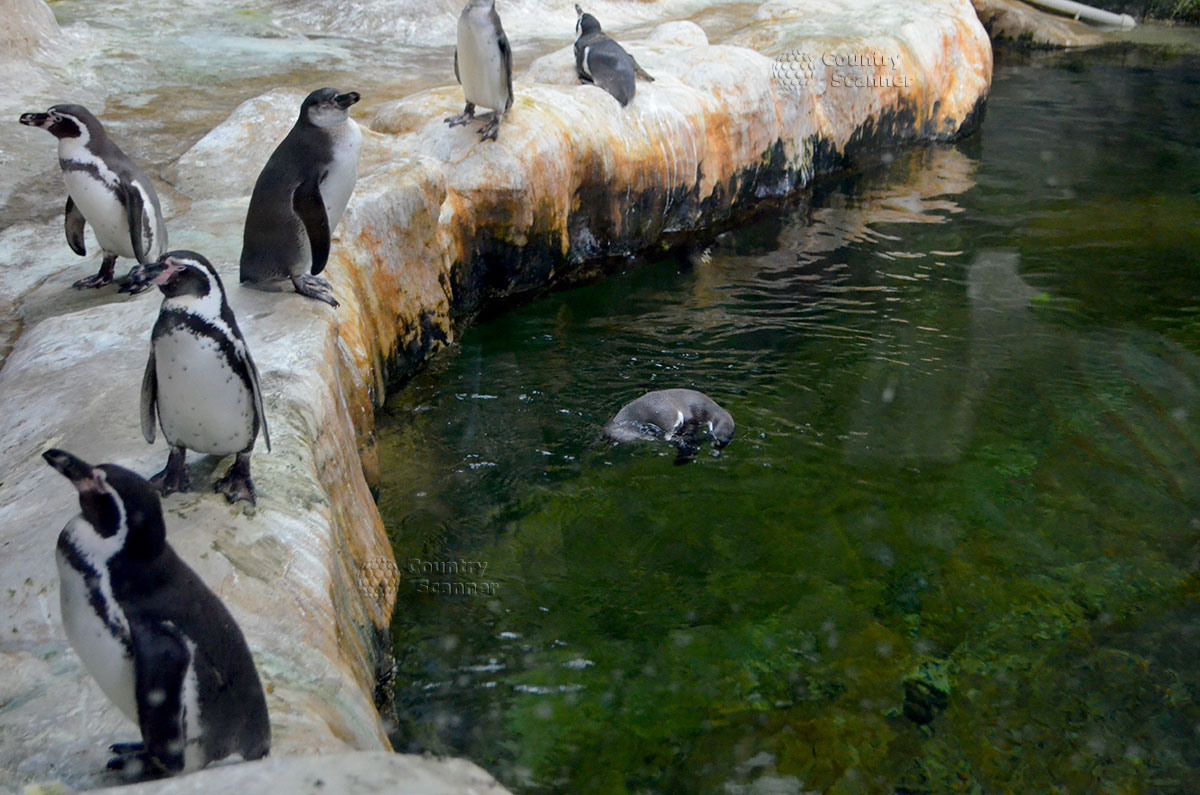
926,692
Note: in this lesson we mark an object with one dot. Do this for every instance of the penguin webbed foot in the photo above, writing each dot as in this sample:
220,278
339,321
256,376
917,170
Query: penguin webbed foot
175,476
101,279
134,763
315,287
489,131
468,115
236,485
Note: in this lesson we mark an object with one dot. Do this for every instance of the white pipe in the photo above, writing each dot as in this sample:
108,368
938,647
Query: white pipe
1079,10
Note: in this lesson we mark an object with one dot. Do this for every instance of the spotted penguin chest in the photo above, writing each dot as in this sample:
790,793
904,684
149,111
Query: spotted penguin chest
95,637
203,402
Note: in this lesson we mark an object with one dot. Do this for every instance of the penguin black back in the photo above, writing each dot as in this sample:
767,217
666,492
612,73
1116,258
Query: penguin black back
600,60
151,632
300,196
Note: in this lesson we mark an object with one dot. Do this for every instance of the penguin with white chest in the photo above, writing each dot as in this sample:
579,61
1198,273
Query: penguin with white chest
600,60
160,644
200,379
104,188
483,65
300,196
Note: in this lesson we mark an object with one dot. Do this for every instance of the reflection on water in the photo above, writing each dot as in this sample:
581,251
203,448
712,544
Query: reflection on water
954,545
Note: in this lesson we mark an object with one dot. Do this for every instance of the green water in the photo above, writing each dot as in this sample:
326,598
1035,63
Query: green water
955,543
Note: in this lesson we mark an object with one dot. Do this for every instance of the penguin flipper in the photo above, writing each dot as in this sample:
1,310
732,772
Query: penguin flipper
150,398
505,59
639,71
310,208
160,663
135,212
252,370
456,77
73,222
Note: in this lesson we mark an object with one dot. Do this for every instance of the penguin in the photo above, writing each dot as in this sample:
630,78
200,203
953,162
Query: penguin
199,378
104,188
681,417
160,644
600,60
483,66
300,196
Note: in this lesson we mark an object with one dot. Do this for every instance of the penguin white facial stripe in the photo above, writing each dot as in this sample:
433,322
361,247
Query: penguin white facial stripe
81,140
210,307
587,68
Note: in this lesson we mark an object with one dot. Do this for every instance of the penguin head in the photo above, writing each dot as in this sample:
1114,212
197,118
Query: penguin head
721,426
65,121
114,501
325,107
176,273
586,23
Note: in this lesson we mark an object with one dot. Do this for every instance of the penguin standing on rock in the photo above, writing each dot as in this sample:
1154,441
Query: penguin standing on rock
200,378
600,60
160,644
483,65
300,196
104,188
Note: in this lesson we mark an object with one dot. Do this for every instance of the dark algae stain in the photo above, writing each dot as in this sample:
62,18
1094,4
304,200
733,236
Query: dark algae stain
954,545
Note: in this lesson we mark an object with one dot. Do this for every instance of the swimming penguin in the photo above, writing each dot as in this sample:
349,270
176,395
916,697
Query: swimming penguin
160,644
681,417
600,60
300,196
483,65
104,188
200,377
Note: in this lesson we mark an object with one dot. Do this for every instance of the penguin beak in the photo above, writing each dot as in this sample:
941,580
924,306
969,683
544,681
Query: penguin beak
35,119
74,469
347,99
149,274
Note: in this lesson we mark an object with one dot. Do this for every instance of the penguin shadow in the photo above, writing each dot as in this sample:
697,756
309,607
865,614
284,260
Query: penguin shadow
203,472
53,295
